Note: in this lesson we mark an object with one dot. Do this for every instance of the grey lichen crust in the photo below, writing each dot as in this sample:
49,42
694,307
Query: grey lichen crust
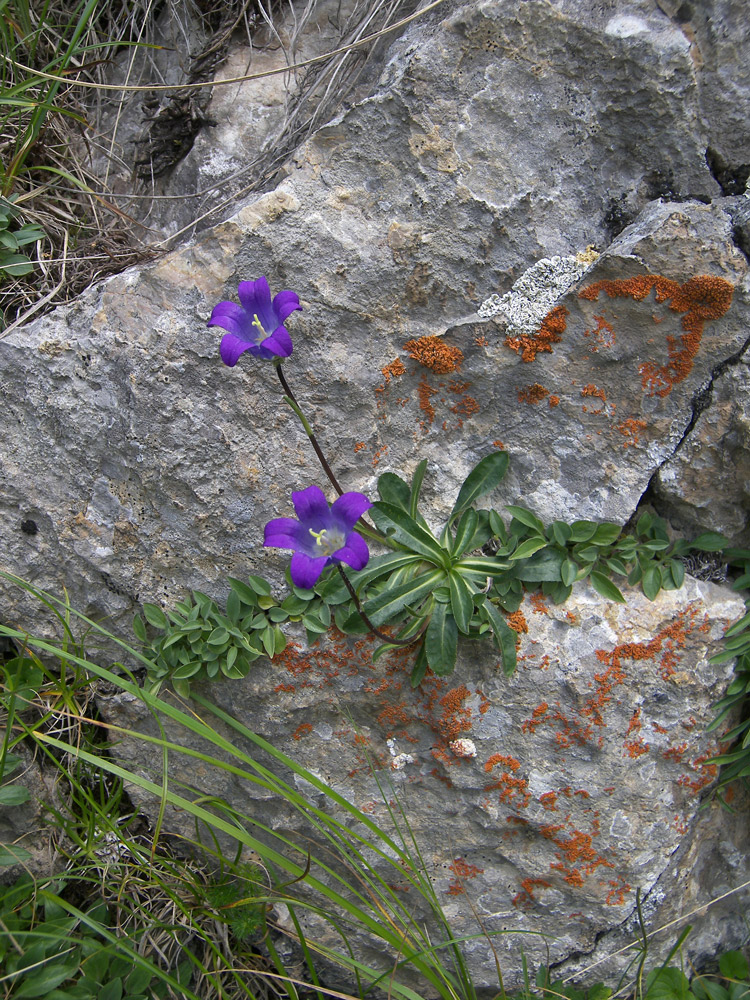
537,291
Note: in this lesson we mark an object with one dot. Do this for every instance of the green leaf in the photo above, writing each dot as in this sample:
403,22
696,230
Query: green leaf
482,479
467,526
504,637
559,532
582,531
218,637
279,640
544,565
528,548
498,526
462,601
388,604
526,517
416,486
707,989
604,586
139,629
441,641
155,616
710,541
588,553
13,795
482,566
187,670
643,525
268,638
617,566
420,667
376,568
111,990
733,965
13,855
402,528
568,572
667,984
606,534
651,582
259,585
393,490
16,265
42,981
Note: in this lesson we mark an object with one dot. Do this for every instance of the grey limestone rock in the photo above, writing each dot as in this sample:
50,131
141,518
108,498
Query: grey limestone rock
547,799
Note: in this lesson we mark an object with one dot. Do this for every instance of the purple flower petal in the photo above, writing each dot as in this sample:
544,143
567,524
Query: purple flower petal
232,347
279,343
285,303
231,318
348,509
255,296
355,552
306,571
285,533
311,508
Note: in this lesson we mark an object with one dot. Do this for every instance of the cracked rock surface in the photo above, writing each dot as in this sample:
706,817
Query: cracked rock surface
499,135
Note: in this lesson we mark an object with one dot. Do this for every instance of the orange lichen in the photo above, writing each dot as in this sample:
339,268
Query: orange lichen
463,871
435,354
700,299
675,753
539,604
378,455
554,401
517,621
616,895
456,717
532,394
481,341
667,643
592,390
302,730
359,446
425,393
498,758
630,430
548,800
393,369
498,444
466,407
537,718
550,332
604,334
526,897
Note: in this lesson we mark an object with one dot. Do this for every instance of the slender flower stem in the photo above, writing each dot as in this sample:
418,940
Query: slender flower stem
361,612
364,525
290,398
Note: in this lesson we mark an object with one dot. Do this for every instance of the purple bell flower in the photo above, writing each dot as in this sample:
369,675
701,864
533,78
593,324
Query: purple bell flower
257,325
321,535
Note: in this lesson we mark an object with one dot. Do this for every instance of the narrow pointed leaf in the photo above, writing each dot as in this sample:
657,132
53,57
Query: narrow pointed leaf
441,641
528,548
467,525
504,636
403,529
604,586
393,490
388,604
526,517
416,486
462,601
483,478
